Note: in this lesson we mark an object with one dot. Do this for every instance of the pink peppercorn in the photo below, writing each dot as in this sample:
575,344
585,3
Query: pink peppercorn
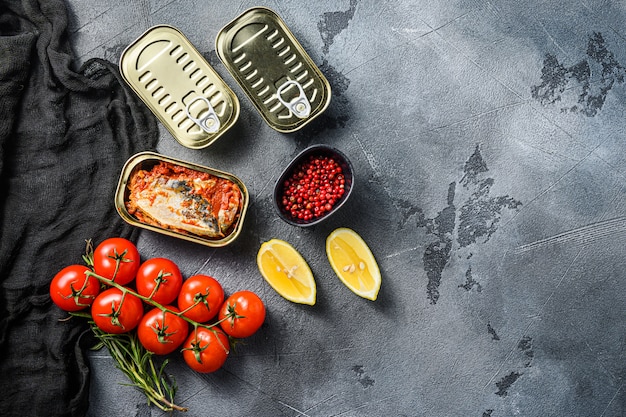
313,188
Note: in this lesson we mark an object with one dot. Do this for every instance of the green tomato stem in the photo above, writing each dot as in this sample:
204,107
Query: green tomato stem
151,302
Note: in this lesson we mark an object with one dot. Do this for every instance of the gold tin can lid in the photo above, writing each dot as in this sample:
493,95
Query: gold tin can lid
145,161
186,94
273,69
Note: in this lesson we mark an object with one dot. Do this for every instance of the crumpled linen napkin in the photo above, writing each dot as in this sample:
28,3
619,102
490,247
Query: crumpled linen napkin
64,137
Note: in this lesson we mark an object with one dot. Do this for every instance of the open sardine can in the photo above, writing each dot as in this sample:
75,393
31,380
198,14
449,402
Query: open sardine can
180,87
181,199
273,69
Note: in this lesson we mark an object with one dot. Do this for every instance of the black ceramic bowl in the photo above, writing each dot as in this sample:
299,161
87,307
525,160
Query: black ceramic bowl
315,150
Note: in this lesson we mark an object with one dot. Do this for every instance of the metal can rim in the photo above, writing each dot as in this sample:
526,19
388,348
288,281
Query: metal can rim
134,163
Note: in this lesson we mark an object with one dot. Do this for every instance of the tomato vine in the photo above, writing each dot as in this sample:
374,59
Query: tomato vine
116,310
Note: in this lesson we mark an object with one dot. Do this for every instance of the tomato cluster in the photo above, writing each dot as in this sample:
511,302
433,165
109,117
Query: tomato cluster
167,311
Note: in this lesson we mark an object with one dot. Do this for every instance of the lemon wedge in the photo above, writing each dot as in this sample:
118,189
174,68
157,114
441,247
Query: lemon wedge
286,271
353,262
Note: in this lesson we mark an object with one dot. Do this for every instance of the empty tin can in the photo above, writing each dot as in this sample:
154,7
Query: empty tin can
179,86
181,199
273,69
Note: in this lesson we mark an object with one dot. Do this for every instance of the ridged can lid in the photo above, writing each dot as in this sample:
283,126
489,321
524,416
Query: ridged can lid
273,69
180,87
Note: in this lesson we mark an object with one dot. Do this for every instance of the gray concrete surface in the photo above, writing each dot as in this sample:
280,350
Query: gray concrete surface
488,143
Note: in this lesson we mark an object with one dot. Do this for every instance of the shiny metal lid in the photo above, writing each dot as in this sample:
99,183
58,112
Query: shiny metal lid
273,69
179,86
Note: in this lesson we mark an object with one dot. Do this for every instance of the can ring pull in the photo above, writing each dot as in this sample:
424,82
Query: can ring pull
300,106
210,123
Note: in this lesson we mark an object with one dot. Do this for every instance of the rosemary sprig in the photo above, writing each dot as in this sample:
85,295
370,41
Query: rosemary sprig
138,365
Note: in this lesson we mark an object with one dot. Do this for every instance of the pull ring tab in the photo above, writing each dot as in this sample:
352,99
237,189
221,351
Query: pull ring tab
210,123
300,106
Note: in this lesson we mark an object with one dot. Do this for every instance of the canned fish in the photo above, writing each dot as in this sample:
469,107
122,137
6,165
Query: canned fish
181,199
179,86
273,69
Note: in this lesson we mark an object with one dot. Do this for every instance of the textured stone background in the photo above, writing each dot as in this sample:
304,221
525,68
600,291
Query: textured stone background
488,142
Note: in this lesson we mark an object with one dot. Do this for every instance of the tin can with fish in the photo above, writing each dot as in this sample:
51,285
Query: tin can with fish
181,199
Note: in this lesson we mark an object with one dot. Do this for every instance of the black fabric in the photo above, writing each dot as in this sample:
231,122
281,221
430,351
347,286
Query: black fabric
64,137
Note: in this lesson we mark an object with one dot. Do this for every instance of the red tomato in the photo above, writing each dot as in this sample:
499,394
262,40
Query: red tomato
116,312
117,259
72,290
162,332
242,314
206,350
159,279
205,293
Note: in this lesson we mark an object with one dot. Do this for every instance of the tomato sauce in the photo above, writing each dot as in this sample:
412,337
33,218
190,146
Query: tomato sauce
193,198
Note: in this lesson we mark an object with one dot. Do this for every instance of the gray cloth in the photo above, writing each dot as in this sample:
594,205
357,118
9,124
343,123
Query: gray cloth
64,137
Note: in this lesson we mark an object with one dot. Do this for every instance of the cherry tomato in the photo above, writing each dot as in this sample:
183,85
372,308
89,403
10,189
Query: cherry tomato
206,350
117,259
116,312
159,279
72,290
242,314
162,332
205,293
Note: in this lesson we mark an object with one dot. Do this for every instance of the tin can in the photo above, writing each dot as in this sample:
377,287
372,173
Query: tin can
185,93
273,69
179,203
